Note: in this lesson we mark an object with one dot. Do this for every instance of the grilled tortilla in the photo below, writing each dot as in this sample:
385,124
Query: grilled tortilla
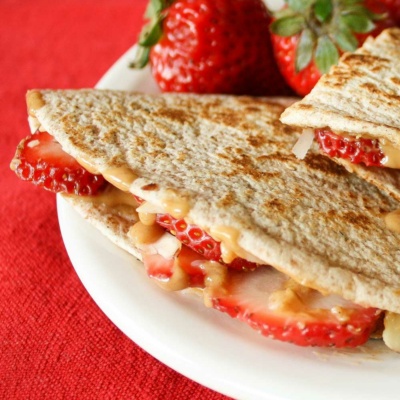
225,164
360,97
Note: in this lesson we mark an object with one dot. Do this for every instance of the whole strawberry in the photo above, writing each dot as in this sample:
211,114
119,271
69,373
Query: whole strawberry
309,36
210,46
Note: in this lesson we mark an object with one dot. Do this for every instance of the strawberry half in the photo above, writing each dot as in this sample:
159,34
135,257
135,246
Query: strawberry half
41,160
366,151
267,301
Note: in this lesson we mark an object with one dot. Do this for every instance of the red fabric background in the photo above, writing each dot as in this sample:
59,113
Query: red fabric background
54,341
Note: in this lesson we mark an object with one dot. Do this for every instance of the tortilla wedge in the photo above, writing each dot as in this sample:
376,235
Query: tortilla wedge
225,164
360,98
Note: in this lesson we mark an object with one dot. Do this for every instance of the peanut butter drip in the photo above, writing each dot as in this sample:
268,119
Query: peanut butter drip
392,221
289,298
215,279
392,155
88,165
34,100
178,281
230,248
121,177
113,198
391,332
175,205
147,218
145,234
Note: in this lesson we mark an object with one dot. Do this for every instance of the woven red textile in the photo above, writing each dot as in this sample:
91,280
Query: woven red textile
54,341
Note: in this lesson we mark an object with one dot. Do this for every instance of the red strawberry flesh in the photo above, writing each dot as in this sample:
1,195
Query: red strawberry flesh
41,160
361,150
200,241
305,317
264,300
204,49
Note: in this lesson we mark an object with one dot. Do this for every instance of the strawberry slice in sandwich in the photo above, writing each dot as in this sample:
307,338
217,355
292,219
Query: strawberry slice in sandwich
353,112
206,191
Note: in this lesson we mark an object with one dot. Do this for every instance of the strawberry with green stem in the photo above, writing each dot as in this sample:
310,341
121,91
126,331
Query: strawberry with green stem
210,46
308,36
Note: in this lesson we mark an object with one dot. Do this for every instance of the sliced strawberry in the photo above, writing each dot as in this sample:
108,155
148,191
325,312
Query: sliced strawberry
366,151
200,241
265,299
41,160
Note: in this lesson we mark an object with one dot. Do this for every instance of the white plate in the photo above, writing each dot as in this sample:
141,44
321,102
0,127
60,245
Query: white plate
206,345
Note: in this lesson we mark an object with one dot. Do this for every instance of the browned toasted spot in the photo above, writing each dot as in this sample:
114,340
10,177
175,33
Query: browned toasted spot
174,114
395,80
341,77
229,199
357,219
252,109
360,60
256,140
275,205
154,141
303,106
323,164
282,128
251,101
393,33
277,157
150,187
181,156
372,88
138,141
223,156
227,118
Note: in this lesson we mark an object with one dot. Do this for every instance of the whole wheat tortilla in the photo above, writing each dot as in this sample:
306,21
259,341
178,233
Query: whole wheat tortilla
230,159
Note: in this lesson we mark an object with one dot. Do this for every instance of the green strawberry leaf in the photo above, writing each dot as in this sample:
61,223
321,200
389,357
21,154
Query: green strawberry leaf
305,49
141,58
284,12
300,6
151,34
326,54
345,39
323,10
288,26
358,23
360,8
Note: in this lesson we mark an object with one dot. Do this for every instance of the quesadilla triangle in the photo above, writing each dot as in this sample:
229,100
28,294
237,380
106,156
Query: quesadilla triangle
206,191
354,112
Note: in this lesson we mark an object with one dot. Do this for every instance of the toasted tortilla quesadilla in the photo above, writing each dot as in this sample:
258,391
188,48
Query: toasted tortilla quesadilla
354,111
206,191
